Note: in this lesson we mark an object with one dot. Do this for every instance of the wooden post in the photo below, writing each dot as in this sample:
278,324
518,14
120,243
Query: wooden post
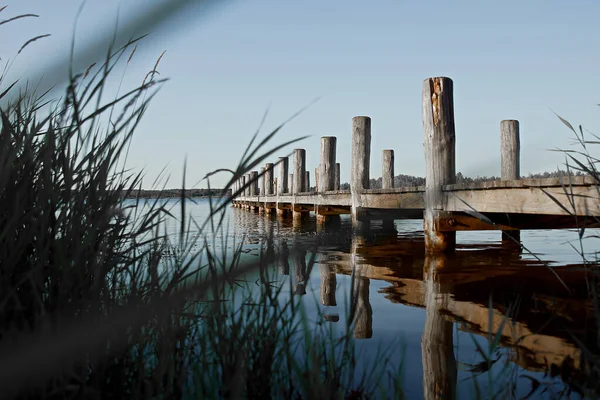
262,182
337,177
254,180
299,170
269,179
327,166
359,173
387,166
317,180
282,180
245,191
307,182
438,131
510,149
291,182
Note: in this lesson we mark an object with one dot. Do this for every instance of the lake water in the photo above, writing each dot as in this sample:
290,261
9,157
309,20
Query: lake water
434,313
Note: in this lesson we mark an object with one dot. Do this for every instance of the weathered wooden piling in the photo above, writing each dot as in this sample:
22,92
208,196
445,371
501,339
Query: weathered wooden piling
510,148
317,180
307,182
245,191
291,183
269,179
299,170
387,167
439,143
282,180
254,180
337,177
261,185
359,172
327,164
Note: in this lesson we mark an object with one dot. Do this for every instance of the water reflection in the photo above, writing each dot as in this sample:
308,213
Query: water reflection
540,314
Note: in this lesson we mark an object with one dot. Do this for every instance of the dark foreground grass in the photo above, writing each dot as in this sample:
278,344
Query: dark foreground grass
97,301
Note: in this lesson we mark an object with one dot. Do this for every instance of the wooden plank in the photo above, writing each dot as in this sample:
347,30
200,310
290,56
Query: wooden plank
531,200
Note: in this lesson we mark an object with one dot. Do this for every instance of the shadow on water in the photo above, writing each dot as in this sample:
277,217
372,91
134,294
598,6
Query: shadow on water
495,320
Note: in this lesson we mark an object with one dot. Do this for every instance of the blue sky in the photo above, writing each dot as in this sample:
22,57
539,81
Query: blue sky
228,64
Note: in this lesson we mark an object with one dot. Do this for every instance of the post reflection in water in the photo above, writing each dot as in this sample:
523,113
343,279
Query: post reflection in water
363,313
300,272
439,364
283,256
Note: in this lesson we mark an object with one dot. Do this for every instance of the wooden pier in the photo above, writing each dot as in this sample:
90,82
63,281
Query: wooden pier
509,205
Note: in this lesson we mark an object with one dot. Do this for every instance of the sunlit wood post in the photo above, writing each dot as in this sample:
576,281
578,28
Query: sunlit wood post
510,149
337,177
387,167
317,180
282,180
359,173
269,179
327,163
438,131
291,183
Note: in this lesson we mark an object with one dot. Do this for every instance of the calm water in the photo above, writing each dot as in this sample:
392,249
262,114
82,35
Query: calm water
433,313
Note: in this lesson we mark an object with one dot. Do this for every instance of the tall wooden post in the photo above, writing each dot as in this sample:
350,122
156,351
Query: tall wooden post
282,180
337,177
299,170
291,182
244,181
438,131
387,166
317,180
327,165
359,173
510,149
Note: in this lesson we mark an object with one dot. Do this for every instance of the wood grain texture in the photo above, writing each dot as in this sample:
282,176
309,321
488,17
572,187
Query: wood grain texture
387,169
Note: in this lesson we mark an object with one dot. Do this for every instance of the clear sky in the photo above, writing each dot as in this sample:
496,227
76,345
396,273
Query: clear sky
227,64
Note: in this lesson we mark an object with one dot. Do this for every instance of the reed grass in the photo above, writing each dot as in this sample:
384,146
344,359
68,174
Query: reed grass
99,300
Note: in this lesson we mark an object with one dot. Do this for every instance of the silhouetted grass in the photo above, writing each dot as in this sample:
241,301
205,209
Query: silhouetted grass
98,300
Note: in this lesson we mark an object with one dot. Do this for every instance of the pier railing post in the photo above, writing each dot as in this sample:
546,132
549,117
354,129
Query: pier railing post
262,182
244,185
282,180
439,143
254,186
510,148
299,170
307,182
268,179
327,163
359,173
337,177
291,182
387,166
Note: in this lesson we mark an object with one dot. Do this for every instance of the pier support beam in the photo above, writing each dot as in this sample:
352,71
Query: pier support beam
359,175
510,148
439,143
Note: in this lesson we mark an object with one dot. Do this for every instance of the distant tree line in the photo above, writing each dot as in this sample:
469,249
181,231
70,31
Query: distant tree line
408,180
171,193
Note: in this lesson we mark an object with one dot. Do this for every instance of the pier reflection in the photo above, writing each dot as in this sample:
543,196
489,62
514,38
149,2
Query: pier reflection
547,312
